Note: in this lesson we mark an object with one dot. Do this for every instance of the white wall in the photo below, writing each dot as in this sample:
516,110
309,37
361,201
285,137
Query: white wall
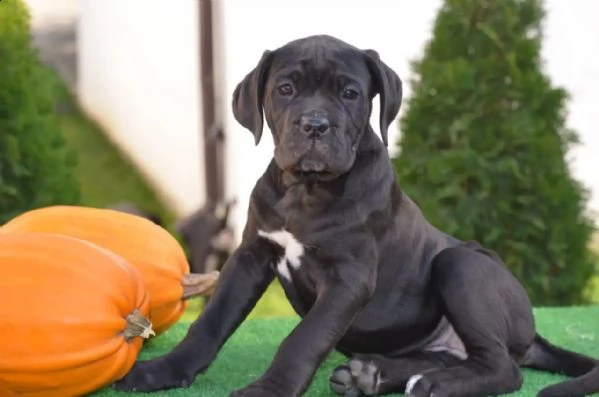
397,30
138,77
571,53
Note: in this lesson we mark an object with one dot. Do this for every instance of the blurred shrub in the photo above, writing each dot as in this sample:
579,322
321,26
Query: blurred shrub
484,143
35,167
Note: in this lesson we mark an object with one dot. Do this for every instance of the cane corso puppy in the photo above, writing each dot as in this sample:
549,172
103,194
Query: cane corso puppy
412,308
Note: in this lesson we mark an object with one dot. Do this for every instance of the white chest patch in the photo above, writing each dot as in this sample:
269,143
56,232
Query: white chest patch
293,250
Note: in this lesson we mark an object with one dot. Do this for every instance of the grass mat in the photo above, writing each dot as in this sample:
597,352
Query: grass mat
249,352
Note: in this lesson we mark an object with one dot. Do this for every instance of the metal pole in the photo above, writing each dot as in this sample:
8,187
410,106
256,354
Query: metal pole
212,134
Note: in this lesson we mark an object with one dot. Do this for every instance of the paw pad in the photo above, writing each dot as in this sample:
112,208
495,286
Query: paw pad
356,378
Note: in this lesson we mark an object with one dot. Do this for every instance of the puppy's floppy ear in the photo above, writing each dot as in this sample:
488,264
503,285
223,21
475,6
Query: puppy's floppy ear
248,97
388,85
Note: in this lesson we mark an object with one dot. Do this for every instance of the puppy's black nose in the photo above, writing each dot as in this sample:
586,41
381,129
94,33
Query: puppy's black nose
314,125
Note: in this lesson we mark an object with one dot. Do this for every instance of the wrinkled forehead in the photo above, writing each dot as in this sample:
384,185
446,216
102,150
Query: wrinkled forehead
320,60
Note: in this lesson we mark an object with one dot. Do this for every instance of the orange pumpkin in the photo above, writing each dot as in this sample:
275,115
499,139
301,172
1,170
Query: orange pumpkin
72,317
151,248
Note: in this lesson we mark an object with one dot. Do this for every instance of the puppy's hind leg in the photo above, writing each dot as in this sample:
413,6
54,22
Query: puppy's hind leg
373,375
491,313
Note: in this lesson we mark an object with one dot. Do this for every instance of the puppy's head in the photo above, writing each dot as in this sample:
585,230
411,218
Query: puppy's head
316,94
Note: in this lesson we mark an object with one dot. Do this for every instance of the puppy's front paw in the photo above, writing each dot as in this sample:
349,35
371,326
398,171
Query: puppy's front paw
157,374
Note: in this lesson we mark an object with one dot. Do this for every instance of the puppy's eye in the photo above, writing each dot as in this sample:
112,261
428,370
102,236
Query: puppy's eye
350,94
285,89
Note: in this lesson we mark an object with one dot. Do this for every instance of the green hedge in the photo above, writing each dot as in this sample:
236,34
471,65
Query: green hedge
484,144
36,169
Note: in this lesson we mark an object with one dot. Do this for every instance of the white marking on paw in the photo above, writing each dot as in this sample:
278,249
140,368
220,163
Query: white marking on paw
292,247
412,383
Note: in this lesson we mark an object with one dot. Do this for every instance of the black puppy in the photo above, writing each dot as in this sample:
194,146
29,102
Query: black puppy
412,307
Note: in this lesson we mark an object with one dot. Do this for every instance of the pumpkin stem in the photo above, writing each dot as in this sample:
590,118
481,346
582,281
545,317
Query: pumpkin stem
198,284
138,325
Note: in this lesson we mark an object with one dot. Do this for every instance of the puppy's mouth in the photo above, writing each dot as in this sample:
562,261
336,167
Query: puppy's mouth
312,169
312,175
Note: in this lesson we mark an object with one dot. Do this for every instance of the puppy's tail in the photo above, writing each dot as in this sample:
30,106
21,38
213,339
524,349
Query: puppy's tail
584,370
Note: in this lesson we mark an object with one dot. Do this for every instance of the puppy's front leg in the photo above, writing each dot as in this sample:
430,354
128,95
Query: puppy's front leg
302,352
243,280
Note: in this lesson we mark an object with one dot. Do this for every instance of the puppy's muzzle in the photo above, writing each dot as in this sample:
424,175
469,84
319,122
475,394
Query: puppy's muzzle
313,130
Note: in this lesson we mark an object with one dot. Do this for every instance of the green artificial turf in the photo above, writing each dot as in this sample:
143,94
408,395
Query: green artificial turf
249,352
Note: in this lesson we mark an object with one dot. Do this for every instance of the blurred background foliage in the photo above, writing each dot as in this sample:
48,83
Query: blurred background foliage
484,145
36,165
